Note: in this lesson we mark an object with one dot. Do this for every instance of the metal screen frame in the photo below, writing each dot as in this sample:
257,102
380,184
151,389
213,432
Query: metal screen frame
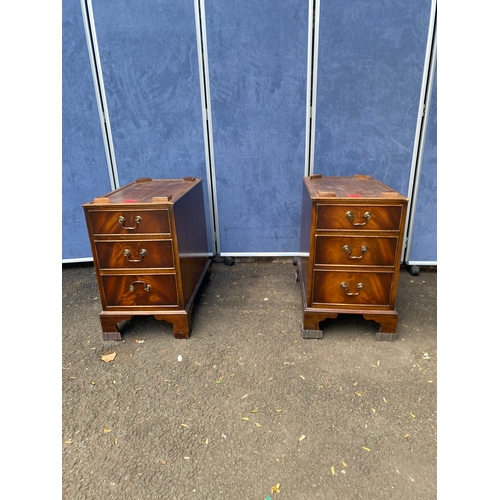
100,94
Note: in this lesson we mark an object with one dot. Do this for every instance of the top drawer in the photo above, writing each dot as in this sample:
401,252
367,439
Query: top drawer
359,217
129,221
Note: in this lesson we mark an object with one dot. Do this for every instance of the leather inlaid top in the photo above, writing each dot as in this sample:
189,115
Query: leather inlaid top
358,186
149,191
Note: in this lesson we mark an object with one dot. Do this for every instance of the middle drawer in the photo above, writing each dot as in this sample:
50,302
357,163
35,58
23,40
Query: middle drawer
134,254
355,250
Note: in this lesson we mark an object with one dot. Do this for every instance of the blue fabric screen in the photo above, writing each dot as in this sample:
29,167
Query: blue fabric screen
84,167
257,52
424,235
149,60
370,64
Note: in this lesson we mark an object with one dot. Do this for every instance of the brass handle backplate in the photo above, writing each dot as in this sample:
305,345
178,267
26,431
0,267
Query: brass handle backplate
137,220
146,286
350,217
142,253
347,250
345,286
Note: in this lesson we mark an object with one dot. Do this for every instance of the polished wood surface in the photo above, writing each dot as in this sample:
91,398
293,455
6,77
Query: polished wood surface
360,288
105,220
352,232
130,291
150,251
133,254
352,250
382,217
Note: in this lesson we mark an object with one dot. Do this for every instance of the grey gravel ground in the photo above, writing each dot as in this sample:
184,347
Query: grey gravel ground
246,408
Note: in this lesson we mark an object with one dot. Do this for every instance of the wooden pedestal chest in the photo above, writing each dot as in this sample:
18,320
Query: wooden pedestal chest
352,230
150,250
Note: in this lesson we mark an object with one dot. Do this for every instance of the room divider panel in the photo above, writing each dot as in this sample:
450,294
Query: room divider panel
149,60
422,242
250,96
257,54
84,168
370,64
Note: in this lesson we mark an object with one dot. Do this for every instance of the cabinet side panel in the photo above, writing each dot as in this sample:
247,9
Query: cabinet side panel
305,236
189,214
305,224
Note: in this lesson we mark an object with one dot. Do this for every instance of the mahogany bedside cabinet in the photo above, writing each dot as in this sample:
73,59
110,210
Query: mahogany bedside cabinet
150,250
352,230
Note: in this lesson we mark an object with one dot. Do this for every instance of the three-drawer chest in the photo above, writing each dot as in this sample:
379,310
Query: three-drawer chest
352,234
150,250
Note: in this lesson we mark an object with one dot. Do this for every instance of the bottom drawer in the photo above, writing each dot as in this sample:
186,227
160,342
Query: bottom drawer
131,290
351,288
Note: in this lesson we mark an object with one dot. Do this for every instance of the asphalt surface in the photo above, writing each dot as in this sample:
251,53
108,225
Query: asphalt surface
245,408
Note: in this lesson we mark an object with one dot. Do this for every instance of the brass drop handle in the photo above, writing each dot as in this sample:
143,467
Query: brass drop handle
347,250
350,217
345,286
142,253
137,220
146,286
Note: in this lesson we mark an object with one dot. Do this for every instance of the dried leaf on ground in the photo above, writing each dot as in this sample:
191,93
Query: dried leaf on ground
108,357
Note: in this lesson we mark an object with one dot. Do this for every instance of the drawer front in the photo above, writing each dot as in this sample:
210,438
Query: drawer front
355,250
359,217
155,290
130,222
135,254
341,288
